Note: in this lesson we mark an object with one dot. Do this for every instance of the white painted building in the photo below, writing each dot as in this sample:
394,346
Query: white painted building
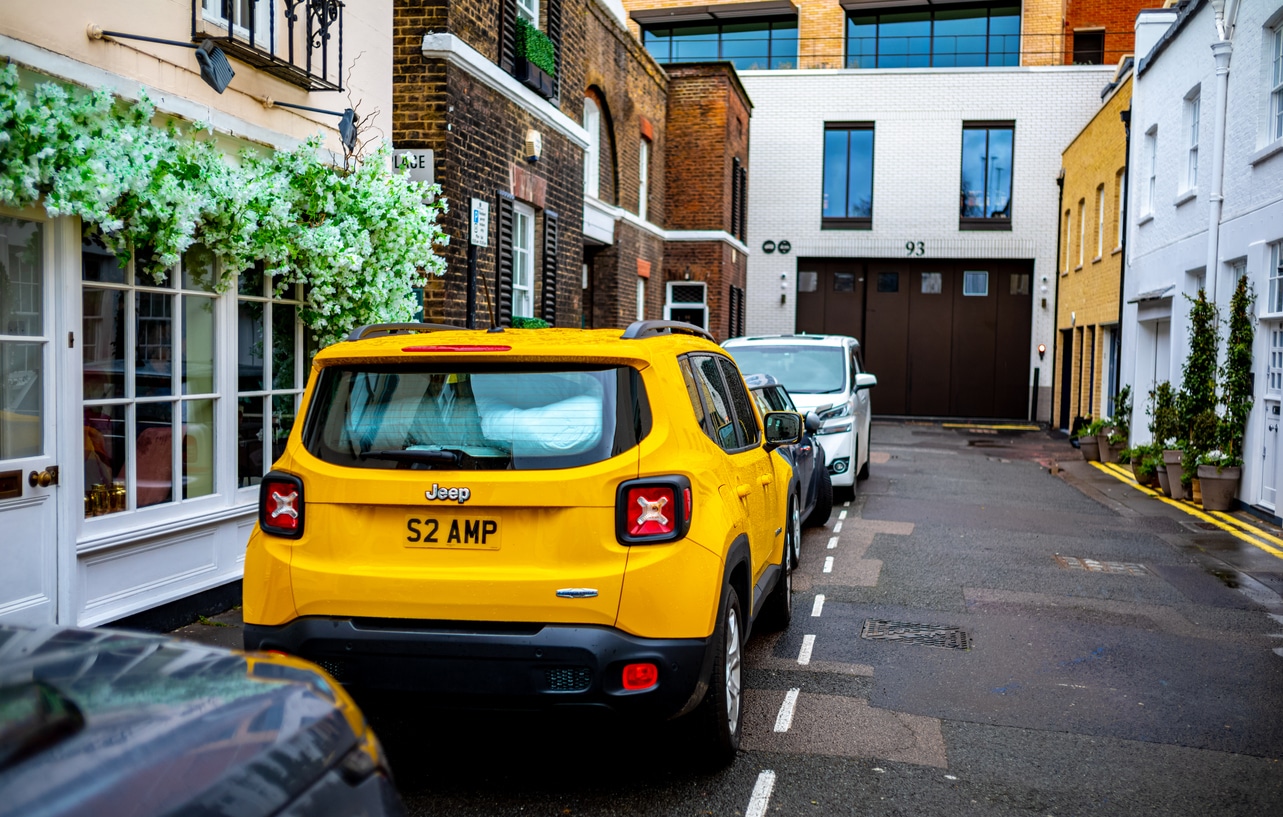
122,490
1206,201
917,244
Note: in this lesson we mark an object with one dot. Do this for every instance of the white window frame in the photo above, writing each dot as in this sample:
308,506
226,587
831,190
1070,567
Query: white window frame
1274,364
1274,305
592,155
1193,107
970,276
528,10
670,304
1082,230
523,261
1069,237
1275,123
262,28
1151,145
643,175
1100,221
641,298
1122,206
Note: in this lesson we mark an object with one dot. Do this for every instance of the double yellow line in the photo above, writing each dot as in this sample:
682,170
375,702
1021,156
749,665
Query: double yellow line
1254,536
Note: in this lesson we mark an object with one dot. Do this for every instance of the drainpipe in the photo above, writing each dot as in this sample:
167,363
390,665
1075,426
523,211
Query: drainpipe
1222,50
1126,116
1055,325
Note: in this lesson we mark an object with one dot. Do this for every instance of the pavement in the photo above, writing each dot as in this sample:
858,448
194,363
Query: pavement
1242,550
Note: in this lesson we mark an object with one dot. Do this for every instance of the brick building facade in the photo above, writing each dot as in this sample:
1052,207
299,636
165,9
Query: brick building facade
579,236
1088,307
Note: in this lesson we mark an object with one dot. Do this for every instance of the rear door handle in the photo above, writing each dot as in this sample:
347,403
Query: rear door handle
766,479
742,491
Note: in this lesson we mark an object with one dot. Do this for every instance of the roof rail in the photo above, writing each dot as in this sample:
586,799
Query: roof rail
646,329
372,329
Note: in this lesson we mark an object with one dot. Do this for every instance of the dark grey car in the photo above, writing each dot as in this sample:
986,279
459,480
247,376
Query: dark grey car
100,722
815,488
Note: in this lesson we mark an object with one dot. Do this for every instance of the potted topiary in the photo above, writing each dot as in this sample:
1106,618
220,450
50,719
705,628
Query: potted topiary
1220,470
1196,403
1165,429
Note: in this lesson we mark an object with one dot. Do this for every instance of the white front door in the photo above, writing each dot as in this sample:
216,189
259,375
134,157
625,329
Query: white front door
28,470
1270,455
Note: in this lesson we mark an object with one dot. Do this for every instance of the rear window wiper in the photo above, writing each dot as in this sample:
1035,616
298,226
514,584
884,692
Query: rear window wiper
441,456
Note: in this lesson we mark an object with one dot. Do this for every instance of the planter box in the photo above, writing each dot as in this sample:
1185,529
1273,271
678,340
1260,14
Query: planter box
1163,484
1090,447
1172,459
535,78
1102,444
1219,489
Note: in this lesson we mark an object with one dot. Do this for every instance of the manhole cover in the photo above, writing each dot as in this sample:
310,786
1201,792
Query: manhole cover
1200,527
932,635
1097,566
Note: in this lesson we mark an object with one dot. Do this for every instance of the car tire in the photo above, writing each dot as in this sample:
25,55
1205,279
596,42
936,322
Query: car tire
823,501
720,717
778,611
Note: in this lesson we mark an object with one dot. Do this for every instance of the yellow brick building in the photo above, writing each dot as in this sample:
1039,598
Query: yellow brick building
1090,263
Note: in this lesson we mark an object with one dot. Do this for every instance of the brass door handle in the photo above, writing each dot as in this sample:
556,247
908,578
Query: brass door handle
43,479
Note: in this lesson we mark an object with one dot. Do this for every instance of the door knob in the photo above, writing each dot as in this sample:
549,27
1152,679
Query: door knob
44,478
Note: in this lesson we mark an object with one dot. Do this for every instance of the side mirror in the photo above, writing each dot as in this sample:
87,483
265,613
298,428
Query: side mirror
864,380
813,422
782,428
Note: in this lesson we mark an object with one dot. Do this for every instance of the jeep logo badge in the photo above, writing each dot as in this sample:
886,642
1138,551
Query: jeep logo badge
460,495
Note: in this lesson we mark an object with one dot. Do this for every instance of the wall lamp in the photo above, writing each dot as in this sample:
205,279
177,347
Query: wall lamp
347,120
214,67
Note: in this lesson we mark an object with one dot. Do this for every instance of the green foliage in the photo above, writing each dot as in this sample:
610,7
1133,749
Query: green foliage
1151,459
529,323
534,45
1122,416
359,240
1092,428
1197,397
1236,373
1164,423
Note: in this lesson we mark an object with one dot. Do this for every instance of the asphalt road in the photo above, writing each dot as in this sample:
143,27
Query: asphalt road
1152,691
1148,680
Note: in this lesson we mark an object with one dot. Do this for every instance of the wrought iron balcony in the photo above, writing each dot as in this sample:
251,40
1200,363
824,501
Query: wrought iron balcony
298,41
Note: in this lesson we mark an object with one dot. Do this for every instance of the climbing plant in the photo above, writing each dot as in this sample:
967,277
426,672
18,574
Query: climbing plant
359,239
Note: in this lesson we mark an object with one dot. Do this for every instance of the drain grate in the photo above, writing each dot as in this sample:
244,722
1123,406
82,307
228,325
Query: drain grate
1201,527
1097,566
931,635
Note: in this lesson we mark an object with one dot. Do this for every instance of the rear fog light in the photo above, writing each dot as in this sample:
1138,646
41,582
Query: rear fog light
640,676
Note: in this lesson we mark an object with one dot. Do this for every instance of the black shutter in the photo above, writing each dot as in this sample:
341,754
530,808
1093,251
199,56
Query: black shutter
743,174
554,34
735,197
549,267
508,35
503,276
732,329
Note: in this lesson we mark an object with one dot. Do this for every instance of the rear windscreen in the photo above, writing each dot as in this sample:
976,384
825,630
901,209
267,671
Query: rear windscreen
474,418
802,369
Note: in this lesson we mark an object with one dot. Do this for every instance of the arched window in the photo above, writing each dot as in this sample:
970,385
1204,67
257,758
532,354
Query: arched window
592,156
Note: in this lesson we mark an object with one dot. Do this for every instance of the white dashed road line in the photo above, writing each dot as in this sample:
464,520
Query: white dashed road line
760,800
785,718
837,527
833,542
828,564
808,644
818,607
841,515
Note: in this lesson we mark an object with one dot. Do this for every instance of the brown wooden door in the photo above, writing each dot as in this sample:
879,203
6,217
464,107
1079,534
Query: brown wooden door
975,314
1013,366
930,369
886,352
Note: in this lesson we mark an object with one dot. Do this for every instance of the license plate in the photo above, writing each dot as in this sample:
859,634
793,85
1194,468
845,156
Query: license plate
471,532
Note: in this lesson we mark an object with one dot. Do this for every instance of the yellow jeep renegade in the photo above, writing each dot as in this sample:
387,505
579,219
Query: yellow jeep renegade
529,516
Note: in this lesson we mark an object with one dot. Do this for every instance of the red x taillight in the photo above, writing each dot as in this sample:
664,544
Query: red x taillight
280,505
653,510
637,677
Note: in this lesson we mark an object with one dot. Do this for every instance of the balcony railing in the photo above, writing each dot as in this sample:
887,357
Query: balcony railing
298,41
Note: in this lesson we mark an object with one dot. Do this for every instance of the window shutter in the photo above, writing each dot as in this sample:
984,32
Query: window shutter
743,233
503,276
733,329
554,34
508,35
735,197
549,267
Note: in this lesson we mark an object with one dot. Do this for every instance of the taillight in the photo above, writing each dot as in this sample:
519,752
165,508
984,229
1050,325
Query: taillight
280,505
653,510
637,677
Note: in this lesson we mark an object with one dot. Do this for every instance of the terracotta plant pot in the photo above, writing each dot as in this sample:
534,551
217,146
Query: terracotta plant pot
1163,484
1107,452
1219,489
1172,459
1090,448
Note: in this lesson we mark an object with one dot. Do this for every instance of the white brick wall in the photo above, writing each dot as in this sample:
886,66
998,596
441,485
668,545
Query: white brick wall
918,116
1164,249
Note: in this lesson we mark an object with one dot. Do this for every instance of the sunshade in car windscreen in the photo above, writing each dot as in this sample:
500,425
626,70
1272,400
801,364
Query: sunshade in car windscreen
478,418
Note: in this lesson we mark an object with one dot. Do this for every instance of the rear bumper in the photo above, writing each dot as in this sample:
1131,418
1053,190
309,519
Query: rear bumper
490,665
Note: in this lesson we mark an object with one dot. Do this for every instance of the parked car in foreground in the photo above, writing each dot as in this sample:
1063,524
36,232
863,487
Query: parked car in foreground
815,487
104,722
530,518
824,374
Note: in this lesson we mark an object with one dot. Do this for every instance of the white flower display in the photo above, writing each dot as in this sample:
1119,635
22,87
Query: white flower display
358,240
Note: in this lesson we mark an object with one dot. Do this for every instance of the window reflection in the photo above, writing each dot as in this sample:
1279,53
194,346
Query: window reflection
936,37
749,45
986,172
